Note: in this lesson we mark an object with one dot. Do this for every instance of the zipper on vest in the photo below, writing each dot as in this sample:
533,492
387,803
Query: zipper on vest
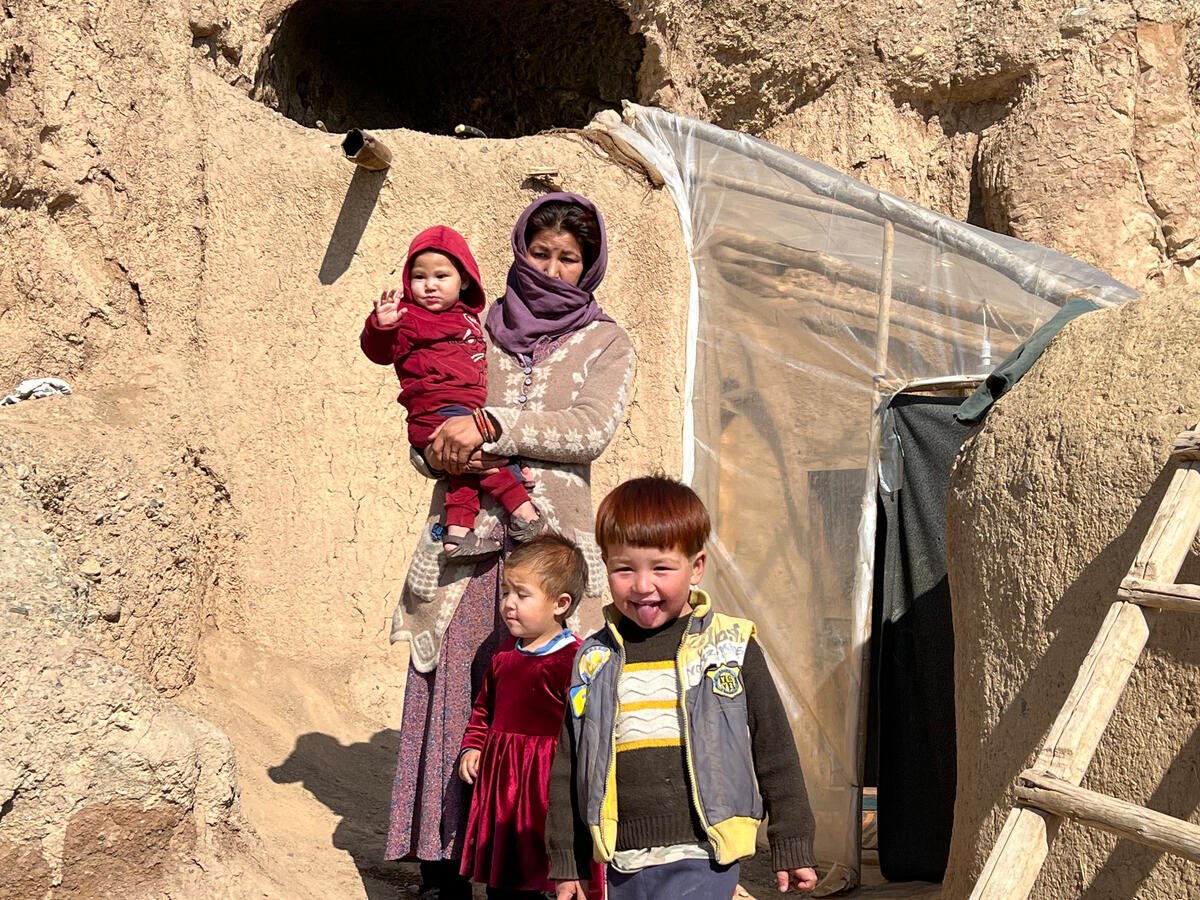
687,738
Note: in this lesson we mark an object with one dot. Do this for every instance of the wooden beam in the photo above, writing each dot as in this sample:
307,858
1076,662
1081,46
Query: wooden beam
883,317
1024,843
1105,671
1017,856
1187,447
967,383
1172,529
1177,597
1126,820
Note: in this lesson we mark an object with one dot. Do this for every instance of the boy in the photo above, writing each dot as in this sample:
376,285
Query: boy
675,742
431,334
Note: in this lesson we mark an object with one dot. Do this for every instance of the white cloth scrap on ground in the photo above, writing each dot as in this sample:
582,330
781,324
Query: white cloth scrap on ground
36,389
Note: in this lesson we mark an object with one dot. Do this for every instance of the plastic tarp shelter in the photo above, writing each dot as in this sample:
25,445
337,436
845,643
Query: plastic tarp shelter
814,298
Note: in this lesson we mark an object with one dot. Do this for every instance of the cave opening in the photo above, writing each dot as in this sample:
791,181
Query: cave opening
507,68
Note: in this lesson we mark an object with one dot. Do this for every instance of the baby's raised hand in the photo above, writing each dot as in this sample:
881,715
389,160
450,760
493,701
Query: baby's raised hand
468,766
388,310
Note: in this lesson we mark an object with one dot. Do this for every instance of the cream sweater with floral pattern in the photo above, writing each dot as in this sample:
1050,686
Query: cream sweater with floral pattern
575,398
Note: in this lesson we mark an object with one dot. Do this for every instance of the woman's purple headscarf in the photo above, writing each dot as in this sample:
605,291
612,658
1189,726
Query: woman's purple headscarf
535,305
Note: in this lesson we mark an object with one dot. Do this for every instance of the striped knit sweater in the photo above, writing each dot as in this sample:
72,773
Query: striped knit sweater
654,806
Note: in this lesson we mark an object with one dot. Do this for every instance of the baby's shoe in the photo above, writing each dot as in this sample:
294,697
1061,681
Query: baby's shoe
523,532
469,548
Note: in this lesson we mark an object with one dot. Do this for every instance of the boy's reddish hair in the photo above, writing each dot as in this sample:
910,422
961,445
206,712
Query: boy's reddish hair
653,511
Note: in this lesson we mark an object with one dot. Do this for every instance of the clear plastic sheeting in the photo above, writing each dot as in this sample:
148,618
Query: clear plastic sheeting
813,297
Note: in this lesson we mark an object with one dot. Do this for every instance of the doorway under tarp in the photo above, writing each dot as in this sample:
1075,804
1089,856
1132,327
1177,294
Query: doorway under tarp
814,299
910,735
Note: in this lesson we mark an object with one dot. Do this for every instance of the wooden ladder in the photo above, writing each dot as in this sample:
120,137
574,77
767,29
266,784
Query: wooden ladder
1049,791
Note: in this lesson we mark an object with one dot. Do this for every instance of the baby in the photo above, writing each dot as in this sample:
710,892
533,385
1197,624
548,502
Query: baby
431,333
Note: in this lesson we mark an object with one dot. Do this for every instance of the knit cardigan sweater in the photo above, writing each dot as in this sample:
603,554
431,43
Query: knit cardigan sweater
573,402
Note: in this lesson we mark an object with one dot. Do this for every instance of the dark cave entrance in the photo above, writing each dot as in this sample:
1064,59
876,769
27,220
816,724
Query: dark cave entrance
508,68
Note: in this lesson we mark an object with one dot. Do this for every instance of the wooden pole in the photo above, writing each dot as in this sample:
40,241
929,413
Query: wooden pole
1127,820
1176,597
1187,447
885,300
1076,732
1173,529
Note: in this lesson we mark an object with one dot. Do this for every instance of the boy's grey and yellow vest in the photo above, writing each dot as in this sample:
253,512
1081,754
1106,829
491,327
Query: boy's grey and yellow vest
714,730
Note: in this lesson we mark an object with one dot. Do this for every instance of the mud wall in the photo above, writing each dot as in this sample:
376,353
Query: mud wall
1047,508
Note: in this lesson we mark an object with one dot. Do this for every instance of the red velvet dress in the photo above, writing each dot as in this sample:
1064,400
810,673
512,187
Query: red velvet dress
515,723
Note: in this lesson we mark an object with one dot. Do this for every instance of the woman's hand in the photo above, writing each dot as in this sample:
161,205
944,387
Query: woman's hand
570,890
468,766
452,444
388,310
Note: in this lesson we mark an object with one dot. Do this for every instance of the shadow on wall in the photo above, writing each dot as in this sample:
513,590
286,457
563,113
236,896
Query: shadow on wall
1178,795
359,203
355,782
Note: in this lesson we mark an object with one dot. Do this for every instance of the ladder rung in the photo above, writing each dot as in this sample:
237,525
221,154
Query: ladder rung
1156,594
1187,447
1127,820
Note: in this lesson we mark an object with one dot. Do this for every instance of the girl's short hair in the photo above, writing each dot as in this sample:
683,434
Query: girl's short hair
653,511
556,562
561,215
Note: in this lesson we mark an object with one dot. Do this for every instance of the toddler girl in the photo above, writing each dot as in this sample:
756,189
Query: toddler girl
517,717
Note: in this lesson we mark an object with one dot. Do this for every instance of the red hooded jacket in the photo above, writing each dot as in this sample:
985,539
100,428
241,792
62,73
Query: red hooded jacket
440,358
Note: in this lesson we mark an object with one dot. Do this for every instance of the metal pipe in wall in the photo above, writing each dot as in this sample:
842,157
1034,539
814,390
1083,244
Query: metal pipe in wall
366,150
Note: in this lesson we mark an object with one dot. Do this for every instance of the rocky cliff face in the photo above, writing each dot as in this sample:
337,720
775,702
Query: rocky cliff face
1071,125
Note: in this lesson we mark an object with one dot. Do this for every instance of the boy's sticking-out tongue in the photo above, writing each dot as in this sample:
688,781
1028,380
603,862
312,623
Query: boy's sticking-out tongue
647,614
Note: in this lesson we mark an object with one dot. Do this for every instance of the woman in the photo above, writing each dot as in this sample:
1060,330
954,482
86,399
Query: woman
559,371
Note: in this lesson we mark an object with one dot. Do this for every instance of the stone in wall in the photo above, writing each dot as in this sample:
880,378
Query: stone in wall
106,788
144,523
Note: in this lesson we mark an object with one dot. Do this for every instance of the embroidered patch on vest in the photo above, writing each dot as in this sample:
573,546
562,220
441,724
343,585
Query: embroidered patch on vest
726,680
578,698
590,662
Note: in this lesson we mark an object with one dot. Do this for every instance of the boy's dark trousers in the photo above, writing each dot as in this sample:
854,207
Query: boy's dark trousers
695,879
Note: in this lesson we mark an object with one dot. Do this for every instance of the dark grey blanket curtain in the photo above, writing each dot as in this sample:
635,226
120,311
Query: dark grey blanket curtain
912,744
